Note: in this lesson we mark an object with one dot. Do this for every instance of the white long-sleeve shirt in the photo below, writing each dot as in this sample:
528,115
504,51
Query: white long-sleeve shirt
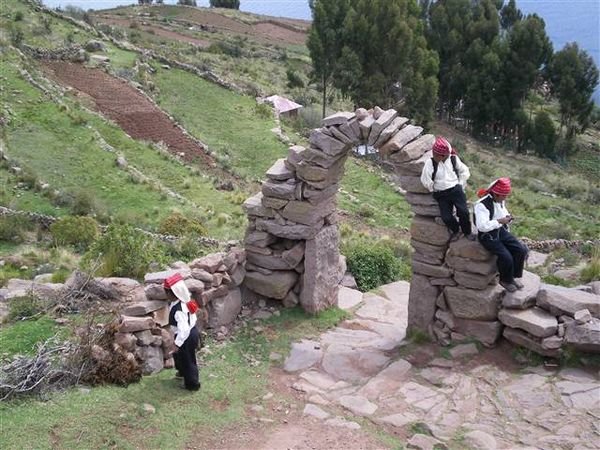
482,216
185,322
445,177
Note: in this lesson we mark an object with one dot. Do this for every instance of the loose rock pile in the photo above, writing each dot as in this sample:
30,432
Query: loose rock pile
292,241
213,281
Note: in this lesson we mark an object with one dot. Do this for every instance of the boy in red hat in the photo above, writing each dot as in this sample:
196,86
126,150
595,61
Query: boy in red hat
492,220
182,318
445,176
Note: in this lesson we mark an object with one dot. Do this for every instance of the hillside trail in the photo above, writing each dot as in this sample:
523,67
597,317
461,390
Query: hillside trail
361,380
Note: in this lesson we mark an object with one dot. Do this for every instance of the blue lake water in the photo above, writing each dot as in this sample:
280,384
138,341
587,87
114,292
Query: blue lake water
566,21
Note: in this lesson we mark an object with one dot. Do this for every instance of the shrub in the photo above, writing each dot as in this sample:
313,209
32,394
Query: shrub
591,272
24,307
79,231
294,80
18,16
544,135
13,228
176,224
187,248
61,275
372,264
263,111
83,203
232,4
123,251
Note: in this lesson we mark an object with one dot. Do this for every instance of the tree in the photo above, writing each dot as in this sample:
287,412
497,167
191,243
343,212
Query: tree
574,76
144,2
510,15
544,136
231,4
528,50
187,2
385,60
324,40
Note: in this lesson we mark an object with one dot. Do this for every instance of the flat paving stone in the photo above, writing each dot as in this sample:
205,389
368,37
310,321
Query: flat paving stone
358,405
348,298
304,354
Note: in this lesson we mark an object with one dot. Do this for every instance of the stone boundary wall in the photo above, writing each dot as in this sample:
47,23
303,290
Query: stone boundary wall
214,282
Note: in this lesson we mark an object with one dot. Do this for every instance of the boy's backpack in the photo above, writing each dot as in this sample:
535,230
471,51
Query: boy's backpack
435,167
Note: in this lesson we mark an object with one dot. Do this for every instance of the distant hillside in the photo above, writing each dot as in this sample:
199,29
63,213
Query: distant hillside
73,131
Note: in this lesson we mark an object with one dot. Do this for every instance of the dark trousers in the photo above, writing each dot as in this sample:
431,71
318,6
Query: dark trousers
448,200
185,361
510,251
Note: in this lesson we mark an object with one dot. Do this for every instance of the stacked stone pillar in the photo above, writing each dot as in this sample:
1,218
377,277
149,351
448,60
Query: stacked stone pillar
292,241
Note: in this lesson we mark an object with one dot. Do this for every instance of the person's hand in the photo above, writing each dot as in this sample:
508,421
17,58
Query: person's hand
505,220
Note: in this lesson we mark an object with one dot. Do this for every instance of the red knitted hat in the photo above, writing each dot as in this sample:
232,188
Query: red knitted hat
501,186
442,147
170,281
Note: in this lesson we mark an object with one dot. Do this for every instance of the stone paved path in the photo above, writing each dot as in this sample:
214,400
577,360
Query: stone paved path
480,406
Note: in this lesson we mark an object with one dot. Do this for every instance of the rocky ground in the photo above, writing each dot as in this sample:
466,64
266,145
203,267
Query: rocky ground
467,399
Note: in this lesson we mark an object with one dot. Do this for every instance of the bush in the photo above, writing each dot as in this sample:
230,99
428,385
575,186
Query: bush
293,79
372,264
263,110
232,4
176,224
79,231
13,228
187,248
591,272
18,16
544,135
124,252
24,307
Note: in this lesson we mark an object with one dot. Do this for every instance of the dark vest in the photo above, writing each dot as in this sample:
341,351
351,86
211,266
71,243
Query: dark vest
435,167
488,202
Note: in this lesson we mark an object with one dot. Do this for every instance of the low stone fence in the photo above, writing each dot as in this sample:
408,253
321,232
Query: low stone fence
213,281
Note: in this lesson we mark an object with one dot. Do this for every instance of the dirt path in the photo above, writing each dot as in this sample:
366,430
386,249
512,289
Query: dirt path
158,31
130,109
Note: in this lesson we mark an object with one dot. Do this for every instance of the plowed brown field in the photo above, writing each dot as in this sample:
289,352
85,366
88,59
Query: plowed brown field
130,109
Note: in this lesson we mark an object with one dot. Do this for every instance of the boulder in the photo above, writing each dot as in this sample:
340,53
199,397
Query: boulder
421,303
412,168
526,297
275,285
159,277
400,139
413,184
585,337
224,310
390,131
469,265
429,231
338,118
132,324
436,271
485,332
128,289
285,190
306,213
321,271
380,124
279,171
525,340
253,206
474,281
430,254
155,292
289,231
474,304
326,143
152,359
143,308
351,129
535,321
559,300
44,291
472,250
209,263
414,150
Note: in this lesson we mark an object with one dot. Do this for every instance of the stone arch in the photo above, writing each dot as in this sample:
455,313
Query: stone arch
292,240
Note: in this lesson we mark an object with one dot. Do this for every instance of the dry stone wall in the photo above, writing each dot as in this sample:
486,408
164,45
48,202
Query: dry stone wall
214,282
292,240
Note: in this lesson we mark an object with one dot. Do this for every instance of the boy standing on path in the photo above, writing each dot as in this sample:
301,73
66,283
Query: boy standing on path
445,176
182,318
492,219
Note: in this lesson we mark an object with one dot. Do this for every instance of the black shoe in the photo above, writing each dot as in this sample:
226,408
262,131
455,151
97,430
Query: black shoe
455,236
518,284
471,237
510,287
